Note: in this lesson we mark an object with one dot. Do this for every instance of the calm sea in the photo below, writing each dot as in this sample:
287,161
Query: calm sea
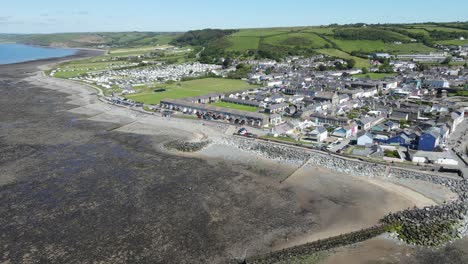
13,53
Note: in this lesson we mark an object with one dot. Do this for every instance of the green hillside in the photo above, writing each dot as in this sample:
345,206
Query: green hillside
113,39
344,41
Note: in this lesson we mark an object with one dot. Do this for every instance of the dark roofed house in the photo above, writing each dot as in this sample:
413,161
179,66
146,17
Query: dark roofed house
221,113
241,102
320,119
330,97
399,116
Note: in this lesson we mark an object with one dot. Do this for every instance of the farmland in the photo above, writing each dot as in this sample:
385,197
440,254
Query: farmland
369,46
187,89
455,42
360,62
297,39
243,43
259,32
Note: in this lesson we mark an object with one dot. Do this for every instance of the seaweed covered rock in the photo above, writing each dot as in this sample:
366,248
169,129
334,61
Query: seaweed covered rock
185,146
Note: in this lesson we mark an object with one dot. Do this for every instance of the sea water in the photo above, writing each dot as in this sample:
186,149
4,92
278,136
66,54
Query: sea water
14,53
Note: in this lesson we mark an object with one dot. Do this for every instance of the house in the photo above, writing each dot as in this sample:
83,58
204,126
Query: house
428,141
391,125
275,119
284,129
386,127
296,99
403,139
344,131
364,138
277,98
438,158
320,119
276,108
319,134
367,122
399,116
328,97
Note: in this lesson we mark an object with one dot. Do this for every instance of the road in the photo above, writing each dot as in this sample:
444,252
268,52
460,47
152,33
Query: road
459,135
342,144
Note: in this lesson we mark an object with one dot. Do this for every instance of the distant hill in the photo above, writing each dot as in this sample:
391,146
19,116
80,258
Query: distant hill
108,39
354,41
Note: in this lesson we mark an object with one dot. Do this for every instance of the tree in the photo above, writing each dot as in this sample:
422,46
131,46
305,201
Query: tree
447,60
364,70
465,65
423,67
351,63
227,62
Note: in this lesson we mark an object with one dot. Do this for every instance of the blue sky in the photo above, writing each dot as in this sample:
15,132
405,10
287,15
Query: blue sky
46,16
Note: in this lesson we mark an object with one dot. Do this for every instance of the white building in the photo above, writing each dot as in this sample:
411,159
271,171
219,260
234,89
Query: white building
438,158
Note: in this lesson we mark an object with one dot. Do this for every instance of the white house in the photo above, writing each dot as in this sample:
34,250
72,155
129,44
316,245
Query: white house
438,158
319,134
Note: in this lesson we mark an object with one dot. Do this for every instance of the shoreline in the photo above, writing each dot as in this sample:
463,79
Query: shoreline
81,53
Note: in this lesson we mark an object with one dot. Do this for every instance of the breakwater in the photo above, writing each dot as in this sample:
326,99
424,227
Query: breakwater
317,246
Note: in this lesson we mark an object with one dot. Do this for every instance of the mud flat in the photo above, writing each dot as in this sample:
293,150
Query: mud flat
82,180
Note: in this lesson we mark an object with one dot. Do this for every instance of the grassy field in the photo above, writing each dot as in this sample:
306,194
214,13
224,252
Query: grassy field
455,42
374,76
259,32
320,30
243,43
439,28
143,49
417,31
377,45
188,89
360,62
297,39
236,106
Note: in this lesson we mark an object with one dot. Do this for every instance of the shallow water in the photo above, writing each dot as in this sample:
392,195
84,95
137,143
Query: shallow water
14,53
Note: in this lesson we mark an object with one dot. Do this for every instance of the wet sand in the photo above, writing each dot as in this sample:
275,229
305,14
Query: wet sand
382,250
83,181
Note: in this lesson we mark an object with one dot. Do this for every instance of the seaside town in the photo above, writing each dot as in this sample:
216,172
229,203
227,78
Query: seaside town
237,132
412,115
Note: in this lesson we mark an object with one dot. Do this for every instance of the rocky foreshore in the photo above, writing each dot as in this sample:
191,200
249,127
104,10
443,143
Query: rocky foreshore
429,226
186,146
